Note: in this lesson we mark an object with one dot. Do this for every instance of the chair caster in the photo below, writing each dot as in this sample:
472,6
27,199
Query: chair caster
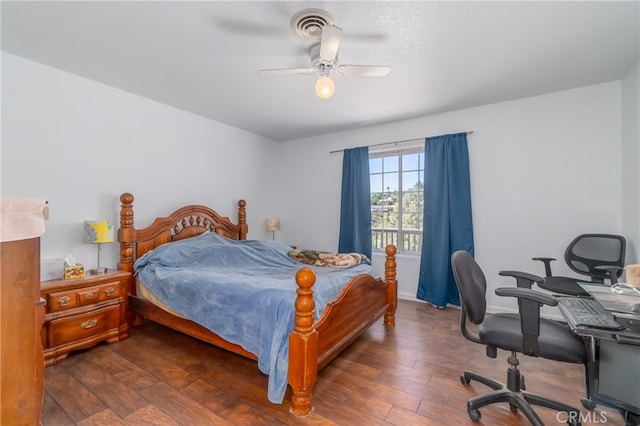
474,415
573,422
588,404
513,408
464,380
631,419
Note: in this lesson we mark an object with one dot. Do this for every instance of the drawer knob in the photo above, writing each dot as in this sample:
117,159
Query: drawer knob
109,292
64,301
89,324
89,295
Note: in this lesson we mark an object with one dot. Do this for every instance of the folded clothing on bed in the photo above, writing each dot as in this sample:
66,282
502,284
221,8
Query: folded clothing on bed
332,260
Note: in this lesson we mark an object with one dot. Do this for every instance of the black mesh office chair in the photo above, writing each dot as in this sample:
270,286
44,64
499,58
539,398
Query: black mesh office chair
524,333
597,256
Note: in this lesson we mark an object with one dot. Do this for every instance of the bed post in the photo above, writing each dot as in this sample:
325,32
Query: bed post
126,235
303,345
392,286
242,220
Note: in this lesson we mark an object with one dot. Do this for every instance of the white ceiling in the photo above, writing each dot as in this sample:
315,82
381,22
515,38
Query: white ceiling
203,56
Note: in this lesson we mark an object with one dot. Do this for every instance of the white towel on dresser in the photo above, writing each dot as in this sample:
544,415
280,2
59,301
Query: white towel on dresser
21,218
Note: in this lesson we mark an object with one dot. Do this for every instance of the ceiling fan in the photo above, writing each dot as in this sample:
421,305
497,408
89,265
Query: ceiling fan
315,24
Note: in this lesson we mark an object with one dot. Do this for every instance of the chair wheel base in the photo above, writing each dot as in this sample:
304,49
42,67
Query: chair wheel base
518,399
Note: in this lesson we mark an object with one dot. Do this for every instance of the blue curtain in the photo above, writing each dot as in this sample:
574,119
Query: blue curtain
447,225
355,208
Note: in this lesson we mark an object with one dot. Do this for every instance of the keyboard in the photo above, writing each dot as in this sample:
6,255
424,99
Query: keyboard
587,313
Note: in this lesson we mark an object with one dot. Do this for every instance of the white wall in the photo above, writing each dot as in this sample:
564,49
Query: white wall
631,162
543,169
75,143
537,165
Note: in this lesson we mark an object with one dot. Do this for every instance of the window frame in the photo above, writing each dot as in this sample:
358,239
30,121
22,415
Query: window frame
399,152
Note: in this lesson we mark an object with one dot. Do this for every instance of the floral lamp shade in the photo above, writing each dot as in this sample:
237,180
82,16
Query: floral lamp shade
273,224
98,232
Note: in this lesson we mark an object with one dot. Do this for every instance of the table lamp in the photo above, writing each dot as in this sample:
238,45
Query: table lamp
98,232
273,225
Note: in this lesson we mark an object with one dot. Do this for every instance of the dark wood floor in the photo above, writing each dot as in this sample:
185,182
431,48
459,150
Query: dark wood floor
407,375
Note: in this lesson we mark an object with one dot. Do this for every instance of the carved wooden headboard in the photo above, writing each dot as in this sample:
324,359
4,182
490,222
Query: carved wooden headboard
186,222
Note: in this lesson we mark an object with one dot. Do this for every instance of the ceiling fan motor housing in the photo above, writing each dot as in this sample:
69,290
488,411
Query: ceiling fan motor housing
319,63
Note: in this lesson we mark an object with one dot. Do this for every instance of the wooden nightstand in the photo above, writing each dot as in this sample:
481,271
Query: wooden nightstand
83,312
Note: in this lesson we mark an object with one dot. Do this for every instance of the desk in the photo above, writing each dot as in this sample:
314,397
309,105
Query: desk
613,369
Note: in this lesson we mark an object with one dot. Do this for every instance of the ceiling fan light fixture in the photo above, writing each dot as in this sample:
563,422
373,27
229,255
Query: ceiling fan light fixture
318,26
325,87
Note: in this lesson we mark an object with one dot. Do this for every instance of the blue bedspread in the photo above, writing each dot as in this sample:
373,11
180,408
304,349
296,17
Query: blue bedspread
244,291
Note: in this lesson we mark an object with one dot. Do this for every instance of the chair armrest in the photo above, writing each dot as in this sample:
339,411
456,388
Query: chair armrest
528,294
613,272
529,302
523,279
547,264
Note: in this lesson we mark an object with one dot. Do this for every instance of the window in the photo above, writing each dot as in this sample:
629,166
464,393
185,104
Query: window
397,199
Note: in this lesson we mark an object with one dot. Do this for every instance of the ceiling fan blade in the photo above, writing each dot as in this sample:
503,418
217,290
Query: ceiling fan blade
363,70
329,43
286,71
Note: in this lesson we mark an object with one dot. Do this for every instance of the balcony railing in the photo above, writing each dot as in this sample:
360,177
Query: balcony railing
411,239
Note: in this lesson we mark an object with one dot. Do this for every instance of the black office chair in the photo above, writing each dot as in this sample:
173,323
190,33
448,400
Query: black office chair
597,256
524,333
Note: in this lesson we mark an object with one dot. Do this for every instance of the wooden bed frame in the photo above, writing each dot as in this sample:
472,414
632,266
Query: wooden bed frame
312,344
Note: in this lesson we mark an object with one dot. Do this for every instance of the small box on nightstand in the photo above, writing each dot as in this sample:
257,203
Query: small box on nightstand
73,271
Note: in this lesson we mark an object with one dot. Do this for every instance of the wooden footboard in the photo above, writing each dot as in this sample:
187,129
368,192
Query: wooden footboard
313,345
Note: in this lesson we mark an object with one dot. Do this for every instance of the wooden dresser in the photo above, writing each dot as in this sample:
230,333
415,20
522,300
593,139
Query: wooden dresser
82,312
21,318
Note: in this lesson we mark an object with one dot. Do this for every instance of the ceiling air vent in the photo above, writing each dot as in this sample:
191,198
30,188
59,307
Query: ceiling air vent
308,23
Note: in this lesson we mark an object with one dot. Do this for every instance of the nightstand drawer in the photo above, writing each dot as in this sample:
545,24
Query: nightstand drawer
109,291
78,327
89,295
83,312
63,300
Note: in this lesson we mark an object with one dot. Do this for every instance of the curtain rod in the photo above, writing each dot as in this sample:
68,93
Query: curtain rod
470,132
